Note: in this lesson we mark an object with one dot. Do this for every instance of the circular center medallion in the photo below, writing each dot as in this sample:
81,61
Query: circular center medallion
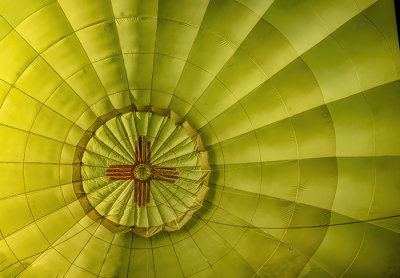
141,169
142,172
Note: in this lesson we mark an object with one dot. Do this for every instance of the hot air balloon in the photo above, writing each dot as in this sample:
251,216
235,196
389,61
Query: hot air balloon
199,138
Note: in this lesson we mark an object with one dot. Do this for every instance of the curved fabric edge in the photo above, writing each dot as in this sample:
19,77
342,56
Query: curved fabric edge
144,232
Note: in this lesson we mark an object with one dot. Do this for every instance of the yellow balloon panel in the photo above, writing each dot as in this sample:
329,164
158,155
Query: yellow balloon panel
296,104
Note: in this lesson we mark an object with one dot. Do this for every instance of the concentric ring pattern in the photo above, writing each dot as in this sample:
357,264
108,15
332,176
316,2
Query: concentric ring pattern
145,170
297,104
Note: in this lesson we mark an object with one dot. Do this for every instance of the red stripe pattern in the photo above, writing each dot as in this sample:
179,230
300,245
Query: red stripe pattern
142,172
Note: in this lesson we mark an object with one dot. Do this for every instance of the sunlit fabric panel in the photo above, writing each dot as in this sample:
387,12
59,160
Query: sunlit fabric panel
199,138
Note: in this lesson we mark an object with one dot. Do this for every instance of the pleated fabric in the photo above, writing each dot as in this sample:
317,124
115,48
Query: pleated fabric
297,106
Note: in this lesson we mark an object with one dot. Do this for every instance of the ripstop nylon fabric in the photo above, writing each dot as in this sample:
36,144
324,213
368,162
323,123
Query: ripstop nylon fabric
297,104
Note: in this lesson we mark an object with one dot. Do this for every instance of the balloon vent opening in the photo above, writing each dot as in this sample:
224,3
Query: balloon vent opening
143,169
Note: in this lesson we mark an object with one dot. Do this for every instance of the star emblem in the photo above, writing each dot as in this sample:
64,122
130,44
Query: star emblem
142,172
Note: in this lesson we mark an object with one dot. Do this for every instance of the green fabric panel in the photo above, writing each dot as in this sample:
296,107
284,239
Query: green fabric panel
296,103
